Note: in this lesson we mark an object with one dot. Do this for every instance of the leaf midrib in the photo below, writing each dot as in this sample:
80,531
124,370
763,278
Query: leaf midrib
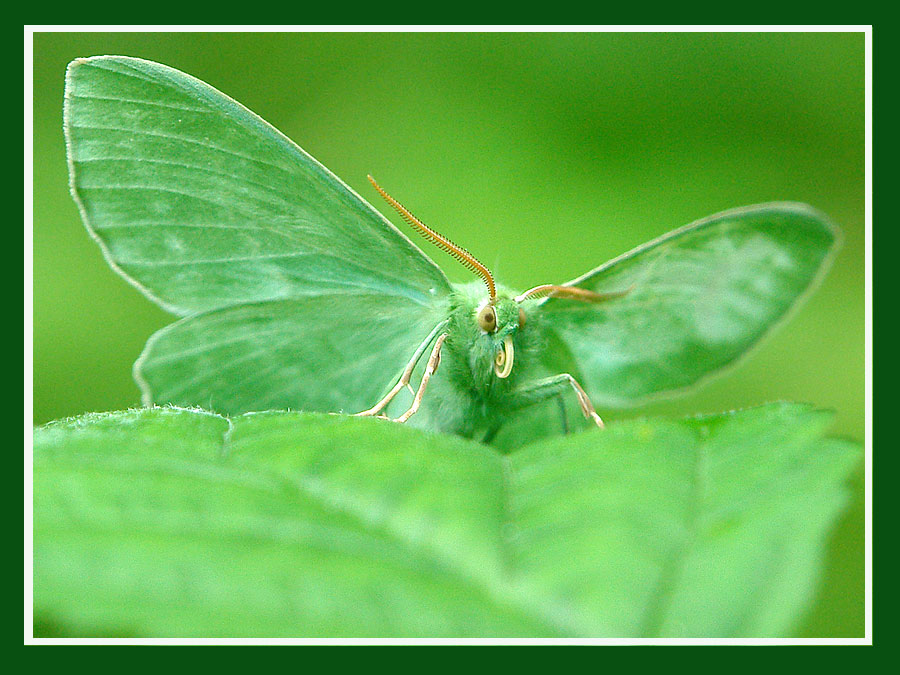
660,600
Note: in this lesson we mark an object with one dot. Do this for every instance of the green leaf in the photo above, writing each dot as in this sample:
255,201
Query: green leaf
201,204
176,522
699,298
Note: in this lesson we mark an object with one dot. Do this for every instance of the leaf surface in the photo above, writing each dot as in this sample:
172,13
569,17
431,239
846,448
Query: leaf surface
176,522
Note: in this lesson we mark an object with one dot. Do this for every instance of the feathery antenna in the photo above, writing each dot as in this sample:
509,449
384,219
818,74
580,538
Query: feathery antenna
570,292
439,240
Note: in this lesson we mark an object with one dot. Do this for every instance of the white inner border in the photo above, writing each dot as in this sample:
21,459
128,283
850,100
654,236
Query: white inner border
29,336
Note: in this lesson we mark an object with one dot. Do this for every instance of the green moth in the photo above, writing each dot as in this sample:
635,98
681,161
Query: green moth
294,293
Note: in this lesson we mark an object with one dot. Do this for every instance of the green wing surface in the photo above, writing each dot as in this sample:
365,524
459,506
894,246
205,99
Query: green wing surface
216,216
699,298
285,354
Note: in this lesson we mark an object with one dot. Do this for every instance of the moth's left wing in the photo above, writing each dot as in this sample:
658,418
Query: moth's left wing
297,293
699,298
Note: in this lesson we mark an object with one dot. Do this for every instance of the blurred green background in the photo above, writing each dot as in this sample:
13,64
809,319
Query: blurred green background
543,154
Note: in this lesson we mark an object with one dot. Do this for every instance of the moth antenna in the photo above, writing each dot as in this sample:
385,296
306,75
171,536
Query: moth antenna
569,292
439,240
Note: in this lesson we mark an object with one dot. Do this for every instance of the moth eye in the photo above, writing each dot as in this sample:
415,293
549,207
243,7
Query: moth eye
487,319
521,319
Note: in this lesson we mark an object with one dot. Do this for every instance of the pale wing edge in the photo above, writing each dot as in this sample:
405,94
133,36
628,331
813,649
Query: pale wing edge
793,207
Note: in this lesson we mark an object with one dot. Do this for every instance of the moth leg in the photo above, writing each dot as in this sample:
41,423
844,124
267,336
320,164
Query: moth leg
433,362
586,406
552,386
403,382
491,433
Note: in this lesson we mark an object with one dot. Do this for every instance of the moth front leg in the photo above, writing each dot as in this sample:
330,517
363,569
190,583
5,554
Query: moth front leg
552,386
433,362
403,382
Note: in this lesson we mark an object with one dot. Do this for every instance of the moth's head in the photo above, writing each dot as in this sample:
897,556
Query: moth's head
496,318
499,321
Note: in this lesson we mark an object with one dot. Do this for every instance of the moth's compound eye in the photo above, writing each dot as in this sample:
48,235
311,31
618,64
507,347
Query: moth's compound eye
487,319
521,318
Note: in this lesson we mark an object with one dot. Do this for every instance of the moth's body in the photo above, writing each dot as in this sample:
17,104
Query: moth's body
485,329
468,395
